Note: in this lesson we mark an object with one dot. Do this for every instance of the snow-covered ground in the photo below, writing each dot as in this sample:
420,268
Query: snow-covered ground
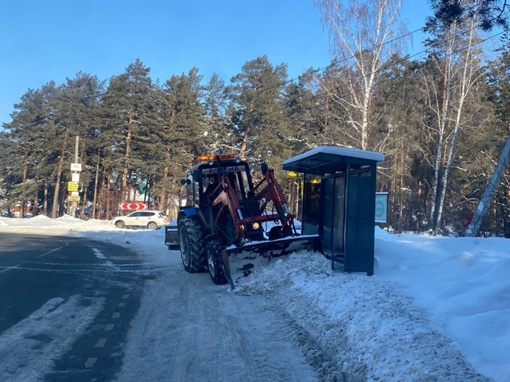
437,308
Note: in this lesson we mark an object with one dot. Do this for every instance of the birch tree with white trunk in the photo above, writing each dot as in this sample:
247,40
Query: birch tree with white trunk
364,34
456,58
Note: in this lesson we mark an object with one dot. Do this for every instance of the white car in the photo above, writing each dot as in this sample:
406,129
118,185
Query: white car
149,219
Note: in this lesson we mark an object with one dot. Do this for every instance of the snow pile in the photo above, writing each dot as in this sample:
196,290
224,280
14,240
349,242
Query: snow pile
365,324
64,224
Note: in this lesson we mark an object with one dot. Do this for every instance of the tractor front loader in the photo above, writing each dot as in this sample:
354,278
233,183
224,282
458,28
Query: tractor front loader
227,214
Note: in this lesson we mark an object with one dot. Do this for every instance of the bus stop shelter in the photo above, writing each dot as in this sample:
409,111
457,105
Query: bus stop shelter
339,191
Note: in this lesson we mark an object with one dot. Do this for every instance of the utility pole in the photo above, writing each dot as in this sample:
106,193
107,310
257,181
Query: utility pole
73,196
485,202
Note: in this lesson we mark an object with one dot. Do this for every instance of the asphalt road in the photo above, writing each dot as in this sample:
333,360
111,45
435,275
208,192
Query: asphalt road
99,284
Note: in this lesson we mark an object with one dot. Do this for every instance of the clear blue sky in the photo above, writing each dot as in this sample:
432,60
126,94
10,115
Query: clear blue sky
44,40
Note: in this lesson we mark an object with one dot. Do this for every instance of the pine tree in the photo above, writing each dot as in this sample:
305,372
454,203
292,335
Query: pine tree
302,109
259,121
217,106
183,132
129,113
396,123
490,13
26,165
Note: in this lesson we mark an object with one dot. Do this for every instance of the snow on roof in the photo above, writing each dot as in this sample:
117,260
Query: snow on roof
340,151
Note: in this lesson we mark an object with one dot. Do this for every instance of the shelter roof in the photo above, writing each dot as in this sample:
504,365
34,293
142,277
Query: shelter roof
330,159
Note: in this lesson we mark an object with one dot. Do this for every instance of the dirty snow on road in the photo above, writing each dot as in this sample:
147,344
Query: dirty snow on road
193,330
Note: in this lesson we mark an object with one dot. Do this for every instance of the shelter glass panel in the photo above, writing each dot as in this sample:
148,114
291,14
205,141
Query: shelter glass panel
311,204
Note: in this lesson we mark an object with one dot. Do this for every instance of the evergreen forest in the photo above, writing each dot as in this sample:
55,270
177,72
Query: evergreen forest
440,120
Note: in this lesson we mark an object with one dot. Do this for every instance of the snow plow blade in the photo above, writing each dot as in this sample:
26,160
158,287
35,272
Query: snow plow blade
242,260
278,247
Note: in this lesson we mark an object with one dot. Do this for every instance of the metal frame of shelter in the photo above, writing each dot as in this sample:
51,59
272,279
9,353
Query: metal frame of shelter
339,188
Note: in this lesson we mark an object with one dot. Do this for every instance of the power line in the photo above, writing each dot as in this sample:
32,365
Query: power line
405,35
403,60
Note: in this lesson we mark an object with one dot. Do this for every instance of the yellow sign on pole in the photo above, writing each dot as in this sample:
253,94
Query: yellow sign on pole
72,186
73,198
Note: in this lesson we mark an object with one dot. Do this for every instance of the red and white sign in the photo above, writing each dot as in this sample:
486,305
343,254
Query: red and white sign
132,206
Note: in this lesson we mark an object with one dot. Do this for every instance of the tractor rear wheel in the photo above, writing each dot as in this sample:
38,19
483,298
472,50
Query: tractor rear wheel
191,243
215,264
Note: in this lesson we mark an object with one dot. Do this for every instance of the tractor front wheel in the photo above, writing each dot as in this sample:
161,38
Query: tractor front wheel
215,263
191,243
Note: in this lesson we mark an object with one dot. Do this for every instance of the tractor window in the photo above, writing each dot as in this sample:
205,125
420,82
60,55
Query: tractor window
191,191
240,183
233,182
208,184
246,183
